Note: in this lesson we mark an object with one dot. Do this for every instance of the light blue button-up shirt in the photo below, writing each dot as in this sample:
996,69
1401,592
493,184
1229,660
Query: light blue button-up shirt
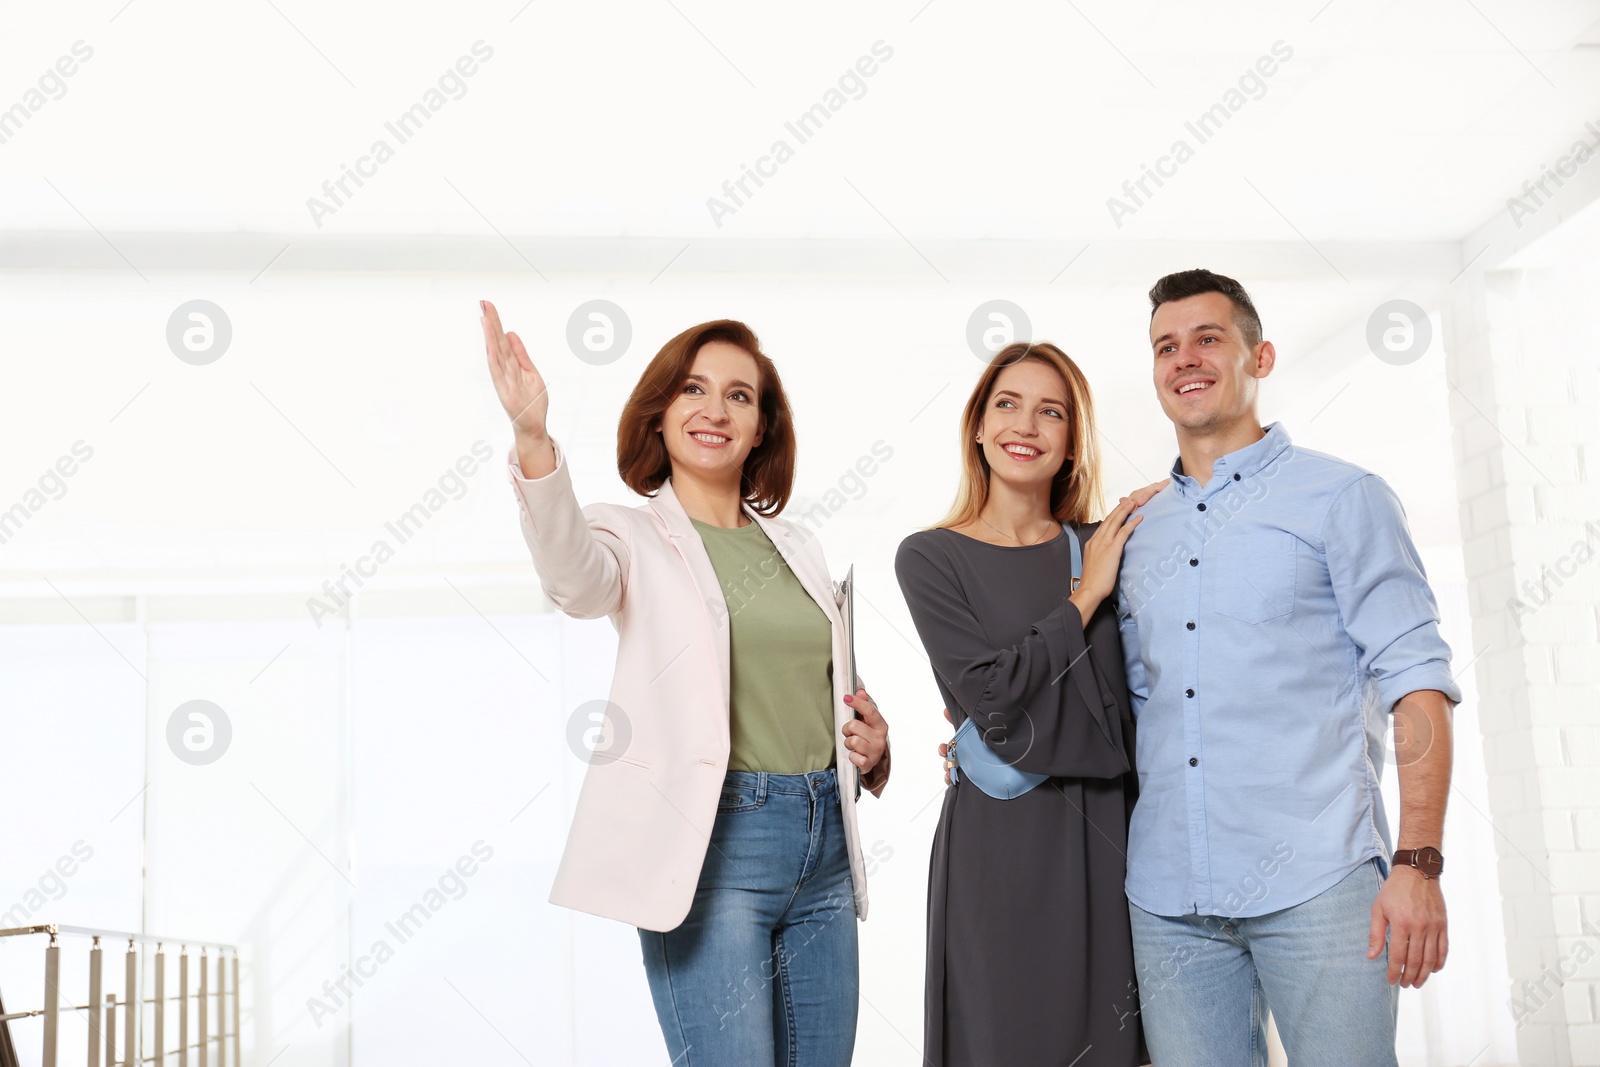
1270,621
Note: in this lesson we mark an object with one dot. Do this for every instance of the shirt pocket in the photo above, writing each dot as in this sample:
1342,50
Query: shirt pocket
1253,576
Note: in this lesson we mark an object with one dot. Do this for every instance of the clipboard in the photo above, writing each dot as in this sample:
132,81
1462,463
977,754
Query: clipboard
845,598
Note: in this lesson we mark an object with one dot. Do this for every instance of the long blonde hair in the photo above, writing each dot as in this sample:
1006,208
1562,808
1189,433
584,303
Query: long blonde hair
1075,494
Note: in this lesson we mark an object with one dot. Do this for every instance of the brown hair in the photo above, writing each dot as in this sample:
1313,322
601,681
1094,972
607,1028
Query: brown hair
1075,491
1187,283
642,460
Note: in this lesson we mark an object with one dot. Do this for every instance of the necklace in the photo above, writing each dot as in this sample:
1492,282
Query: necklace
1002,533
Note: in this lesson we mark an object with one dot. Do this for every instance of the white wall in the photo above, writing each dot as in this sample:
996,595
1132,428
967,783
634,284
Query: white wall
367,762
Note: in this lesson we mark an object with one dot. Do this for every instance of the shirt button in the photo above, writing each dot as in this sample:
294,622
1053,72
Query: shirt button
1190,625
1235,477
1193,562
1193,762
1202,507
1188,692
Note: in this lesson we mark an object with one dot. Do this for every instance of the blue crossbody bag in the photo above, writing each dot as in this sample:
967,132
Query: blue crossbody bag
969,755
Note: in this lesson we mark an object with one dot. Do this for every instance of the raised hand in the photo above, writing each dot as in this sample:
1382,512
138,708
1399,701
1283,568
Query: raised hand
521,388
522,393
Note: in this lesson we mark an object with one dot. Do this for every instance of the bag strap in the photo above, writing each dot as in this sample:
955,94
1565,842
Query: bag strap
1077,551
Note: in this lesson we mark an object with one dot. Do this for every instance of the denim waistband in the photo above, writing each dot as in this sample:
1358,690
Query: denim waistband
809,784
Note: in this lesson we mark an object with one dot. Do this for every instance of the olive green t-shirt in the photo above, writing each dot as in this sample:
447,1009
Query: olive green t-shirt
781,714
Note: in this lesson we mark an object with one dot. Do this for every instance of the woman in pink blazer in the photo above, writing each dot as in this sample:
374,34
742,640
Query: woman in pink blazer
724,828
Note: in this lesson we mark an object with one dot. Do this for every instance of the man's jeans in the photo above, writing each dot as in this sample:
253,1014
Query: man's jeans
764,969
1205,983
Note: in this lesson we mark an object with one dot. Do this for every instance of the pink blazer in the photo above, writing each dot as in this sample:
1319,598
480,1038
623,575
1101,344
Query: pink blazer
644,814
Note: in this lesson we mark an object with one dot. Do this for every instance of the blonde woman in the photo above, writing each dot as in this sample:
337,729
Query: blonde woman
1030,959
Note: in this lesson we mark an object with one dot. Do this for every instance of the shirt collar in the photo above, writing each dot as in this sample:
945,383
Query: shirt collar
1242,461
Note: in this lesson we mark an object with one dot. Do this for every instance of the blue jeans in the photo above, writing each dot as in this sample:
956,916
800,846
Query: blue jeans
764,970
1205,983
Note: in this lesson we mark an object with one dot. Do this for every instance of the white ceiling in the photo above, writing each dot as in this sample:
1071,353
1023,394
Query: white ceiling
1390,123
177,164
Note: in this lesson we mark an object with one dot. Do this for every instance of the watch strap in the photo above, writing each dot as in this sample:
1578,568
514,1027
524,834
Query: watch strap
1431,866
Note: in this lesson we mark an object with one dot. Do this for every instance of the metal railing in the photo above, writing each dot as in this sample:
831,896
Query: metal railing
211,1028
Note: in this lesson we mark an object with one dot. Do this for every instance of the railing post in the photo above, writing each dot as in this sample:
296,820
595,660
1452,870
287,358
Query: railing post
111,1030
238,1021
95,1032
52,1000
183,1006
222,1011
159,1037
205,1032
130,994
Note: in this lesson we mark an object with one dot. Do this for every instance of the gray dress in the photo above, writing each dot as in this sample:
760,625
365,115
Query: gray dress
1030,958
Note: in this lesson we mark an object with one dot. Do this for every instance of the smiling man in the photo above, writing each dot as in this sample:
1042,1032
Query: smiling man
1275,615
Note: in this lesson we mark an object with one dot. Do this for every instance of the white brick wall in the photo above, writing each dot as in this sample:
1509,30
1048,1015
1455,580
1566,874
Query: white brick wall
1525,412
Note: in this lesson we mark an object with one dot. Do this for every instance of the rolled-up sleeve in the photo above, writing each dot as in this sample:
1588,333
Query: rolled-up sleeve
1383,594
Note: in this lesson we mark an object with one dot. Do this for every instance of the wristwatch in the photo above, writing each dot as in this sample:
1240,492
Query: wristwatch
1430,861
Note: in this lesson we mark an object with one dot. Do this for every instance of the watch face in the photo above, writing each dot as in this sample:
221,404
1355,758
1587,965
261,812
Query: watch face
1430,862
